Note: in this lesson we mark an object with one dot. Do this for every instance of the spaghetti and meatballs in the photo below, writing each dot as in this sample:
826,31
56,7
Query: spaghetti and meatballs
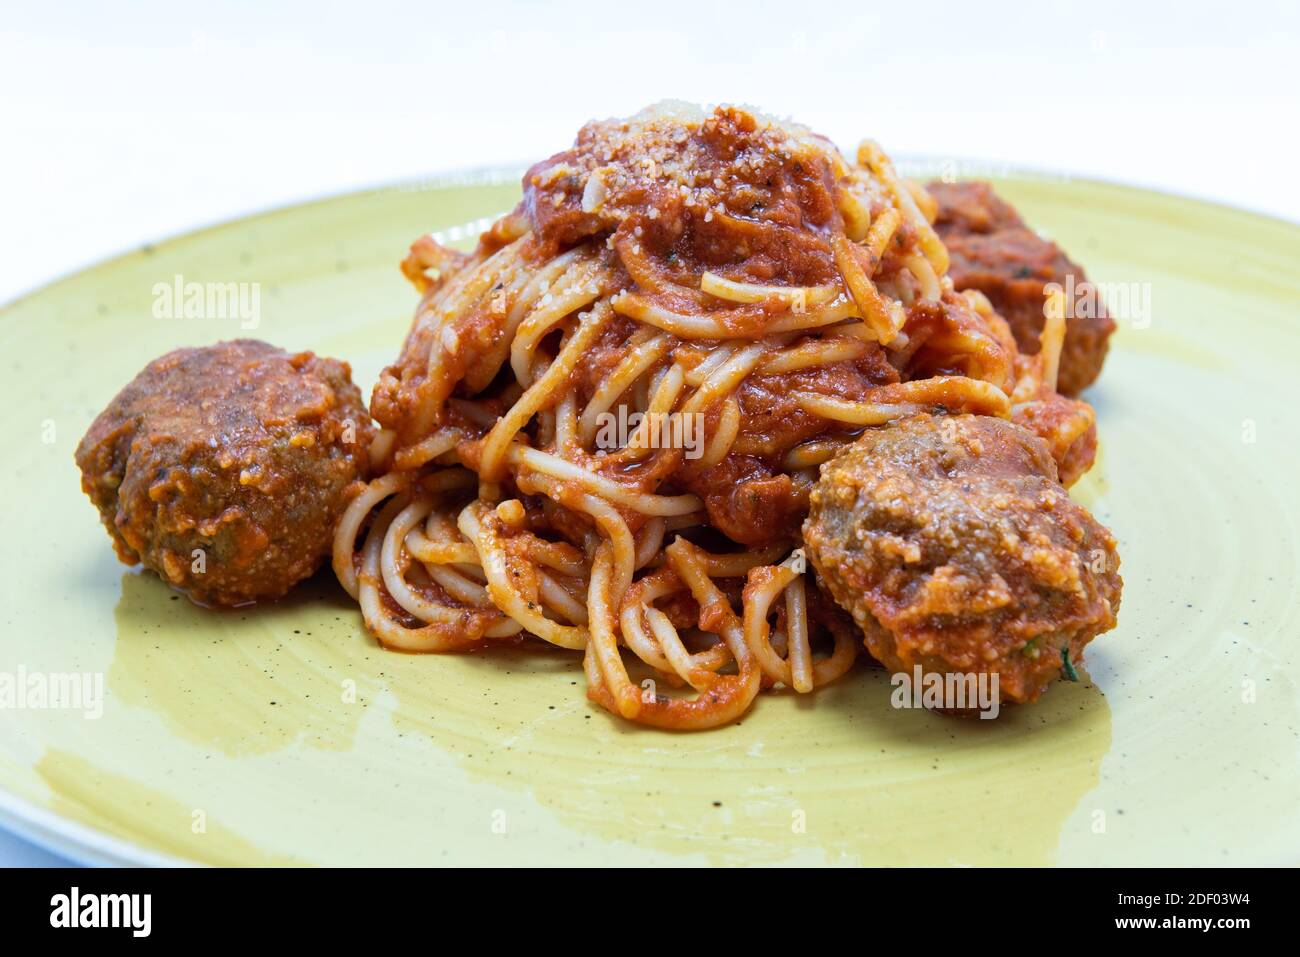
723,267
880,440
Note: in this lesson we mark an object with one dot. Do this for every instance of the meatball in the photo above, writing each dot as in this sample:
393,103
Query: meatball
992,250
225,469
955,548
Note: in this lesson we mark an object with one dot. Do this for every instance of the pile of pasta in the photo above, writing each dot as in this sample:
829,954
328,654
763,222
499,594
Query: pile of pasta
679,269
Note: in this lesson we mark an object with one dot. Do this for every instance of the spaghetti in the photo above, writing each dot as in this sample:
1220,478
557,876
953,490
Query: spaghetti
676,267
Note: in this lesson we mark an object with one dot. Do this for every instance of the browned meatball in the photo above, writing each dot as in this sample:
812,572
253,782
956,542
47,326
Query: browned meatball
950,541
224,469
992,250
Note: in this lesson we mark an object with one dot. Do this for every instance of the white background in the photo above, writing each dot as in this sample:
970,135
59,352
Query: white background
122,123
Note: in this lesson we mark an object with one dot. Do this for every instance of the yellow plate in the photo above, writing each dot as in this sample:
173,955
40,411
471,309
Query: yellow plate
285,735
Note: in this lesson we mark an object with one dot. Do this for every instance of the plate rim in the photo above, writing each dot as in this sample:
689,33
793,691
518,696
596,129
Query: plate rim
500,174
80,844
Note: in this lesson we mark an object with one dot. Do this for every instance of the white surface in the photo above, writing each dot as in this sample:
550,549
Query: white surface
127,123
18,852
123,124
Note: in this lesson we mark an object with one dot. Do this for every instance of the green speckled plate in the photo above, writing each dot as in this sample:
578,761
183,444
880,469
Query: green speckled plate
284,735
